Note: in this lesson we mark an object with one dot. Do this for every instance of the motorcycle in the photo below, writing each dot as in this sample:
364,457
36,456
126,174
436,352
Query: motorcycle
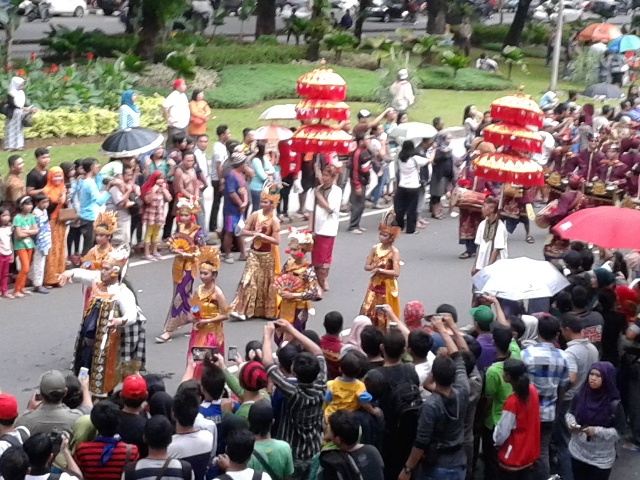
34,9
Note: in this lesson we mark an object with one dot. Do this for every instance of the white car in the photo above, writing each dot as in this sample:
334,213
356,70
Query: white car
570,13
77,8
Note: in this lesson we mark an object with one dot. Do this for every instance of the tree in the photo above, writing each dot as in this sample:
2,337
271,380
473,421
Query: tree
317,28
437,17
454,60
514,35
154,16
247,7
380,47
361,16
9,21
265,17
513,56
339,41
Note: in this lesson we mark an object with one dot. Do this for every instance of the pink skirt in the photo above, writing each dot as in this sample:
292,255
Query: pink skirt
322,252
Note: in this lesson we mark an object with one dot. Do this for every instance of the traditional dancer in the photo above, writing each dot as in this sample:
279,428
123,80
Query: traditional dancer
384,264
111,341
256,295
185,244
208,310
298,284
103,227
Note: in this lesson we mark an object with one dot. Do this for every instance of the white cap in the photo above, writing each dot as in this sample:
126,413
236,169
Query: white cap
549,122
364,113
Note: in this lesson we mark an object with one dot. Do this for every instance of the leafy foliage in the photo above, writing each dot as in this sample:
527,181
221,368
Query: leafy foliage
339,41
513,56
467,79
295,27
584,68
217,58
454,60
131,63
9,21
529,52
381,47
183,63
388,75
67,43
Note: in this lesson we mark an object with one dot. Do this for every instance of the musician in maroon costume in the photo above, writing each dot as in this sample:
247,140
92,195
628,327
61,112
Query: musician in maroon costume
561,156
571,200
612,170
514,210
470,217
632,161
588,160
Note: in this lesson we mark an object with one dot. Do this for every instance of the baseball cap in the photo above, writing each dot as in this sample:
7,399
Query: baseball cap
483,315
8,407
52,381
364,113
134,387
178,82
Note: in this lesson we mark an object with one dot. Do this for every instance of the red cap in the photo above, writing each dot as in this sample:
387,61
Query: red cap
178,82
8,407
134,387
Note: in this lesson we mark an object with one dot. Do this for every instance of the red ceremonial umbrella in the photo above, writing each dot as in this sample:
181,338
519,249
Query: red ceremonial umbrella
315,109
513,137
273,132
606,227
320,139
322,83
519,109
509,168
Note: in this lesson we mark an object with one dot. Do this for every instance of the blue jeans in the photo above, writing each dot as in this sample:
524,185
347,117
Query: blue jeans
382,181
442,473
561,438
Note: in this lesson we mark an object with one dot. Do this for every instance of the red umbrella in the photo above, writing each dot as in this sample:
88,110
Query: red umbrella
519,109
273,132
514,137
509,168
320,139
314,109
606,227
322,83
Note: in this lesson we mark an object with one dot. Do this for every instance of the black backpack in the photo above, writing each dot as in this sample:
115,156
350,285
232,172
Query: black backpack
405,402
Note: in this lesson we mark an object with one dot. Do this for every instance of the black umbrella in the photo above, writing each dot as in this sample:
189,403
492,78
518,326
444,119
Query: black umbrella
605,90
130,142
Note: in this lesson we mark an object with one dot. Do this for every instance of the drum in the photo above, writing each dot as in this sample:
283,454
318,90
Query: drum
544,216
465,198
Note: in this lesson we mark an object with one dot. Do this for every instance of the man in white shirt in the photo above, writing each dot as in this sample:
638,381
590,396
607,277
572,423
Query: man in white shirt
324,209
234,462
491,236
402,91
175,109
204,174
218,158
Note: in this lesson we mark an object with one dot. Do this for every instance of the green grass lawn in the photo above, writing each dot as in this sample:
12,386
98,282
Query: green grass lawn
248,81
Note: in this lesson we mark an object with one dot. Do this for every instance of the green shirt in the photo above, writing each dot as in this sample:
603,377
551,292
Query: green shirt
277,454
515,350
25,223
497,390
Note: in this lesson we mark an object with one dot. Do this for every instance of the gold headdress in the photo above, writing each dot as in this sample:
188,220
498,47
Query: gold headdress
389,225
270,193
189,205
119,256
106,223
301,239
209,259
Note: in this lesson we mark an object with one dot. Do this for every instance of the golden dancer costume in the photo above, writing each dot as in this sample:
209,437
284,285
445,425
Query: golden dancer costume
384,262
256,295
111,340
106,224
208,307
298,284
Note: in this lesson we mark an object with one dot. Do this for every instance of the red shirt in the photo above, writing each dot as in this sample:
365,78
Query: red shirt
87,457
331,346
522,448
289,160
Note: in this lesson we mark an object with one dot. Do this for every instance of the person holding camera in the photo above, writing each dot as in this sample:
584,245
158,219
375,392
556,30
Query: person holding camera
40,450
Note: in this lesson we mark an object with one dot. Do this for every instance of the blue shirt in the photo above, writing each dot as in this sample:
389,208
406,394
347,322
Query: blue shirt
212,410
232,184
91,199
262,173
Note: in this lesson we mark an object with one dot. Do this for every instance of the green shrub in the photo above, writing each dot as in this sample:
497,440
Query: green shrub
488,33
217,57
266,40
245,85
532,34
531,52
63,43
467,79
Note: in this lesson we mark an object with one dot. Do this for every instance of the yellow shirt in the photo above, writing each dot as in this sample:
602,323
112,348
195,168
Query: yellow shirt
344,395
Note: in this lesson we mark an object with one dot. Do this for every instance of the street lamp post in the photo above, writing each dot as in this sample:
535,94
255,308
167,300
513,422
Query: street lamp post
557,48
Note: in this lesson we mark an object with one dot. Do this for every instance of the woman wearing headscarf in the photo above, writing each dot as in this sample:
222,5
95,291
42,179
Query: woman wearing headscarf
596,421
442,174
353,339
128,113
13,128
200,113
56,192
408,191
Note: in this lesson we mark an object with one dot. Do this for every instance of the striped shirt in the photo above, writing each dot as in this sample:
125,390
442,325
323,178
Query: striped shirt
88,457
301,424
548,370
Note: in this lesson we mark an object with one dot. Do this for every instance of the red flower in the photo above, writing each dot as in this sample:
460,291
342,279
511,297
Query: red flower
65,78
54,68
90,56
20,73
47,70
9,68
32,56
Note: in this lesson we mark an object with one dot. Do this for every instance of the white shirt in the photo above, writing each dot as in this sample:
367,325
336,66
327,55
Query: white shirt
409,171
218,157
423,370
190,444
598,122
201,158
485,248
63,476
403,96
548,144
246,474
326,223
16,436
178,105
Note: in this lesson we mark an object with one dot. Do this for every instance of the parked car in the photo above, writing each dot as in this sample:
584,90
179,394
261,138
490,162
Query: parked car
387,10
345,4
77,8
110,6
570,12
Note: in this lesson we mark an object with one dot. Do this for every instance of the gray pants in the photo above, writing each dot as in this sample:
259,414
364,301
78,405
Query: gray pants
357,208
541,467
561,438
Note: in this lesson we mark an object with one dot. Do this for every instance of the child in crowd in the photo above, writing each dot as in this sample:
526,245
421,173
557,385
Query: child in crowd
347,392
25,227
155,195
6,250
331,344
212,386
43,242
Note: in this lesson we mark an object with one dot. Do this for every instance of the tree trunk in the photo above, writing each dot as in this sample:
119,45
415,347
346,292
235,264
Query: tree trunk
265,18
360,18
514,34
315,36
437,17
8,44
150,26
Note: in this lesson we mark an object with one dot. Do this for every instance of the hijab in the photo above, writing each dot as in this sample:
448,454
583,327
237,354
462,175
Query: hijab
358,325
148,185
52,191
127,99
19,98
593,408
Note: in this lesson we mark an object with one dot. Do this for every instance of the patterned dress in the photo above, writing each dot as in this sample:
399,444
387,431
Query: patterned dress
382,289
297,311
211,335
